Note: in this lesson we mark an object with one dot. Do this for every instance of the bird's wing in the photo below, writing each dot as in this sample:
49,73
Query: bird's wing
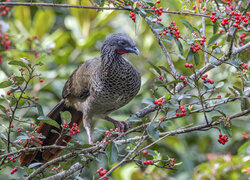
79,83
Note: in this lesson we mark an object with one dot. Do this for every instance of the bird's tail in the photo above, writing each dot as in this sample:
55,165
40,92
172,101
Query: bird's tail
51,137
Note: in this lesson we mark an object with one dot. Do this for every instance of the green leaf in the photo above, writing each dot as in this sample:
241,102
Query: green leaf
5,84
180,47
167,41
19,79
196,58
41,58
213,39
173,82
49,121
158,27
219,85
245,104
153,132
17,63
2,108
226,130
165,124
188,25
54,131
243,147
34,165
112,153
151,152
134,119
235,62
39,109
165,69
190,55
155,68
66,116
149,101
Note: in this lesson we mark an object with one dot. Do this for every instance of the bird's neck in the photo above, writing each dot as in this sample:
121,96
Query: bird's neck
112,61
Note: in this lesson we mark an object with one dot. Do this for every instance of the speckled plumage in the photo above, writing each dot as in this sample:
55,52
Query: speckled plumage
97,87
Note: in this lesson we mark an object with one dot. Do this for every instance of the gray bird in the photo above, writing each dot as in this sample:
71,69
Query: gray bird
96,88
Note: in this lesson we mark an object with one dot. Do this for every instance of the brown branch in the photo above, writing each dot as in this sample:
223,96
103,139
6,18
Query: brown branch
95,7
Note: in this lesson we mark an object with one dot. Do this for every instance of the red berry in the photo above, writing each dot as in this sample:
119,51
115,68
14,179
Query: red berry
159,19
11,126
160,77
14,160
36,98
8,92
182,78
204,9
213,13
145,152
158,1
185,82
41,80
219,96
186,65
194,7
160,33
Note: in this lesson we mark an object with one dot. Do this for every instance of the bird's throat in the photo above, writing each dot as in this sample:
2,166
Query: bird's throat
122,51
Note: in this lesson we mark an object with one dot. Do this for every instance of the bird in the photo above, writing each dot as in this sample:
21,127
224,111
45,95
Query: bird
97,87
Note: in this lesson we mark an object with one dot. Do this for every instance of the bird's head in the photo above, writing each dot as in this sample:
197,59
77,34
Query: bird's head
119,44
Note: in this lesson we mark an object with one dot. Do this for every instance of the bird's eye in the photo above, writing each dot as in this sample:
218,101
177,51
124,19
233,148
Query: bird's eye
122,43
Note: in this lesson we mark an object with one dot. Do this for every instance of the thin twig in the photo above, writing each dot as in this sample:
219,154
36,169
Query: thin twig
204,32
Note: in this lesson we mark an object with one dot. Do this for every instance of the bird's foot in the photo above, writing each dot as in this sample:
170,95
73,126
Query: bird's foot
122,126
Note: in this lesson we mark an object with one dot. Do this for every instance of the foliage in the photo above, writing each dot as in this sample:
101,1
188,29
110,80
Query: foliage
195,80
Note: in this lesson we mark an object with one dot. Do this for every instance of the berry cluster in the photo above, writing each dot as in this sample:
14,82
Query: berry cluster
172,29
195,48
183,112
132,15
203,40
189,65
4,9
74,130
214,18
158,11
240,18
242,38
172,160
5,42
10,158
148,162
222,139
159,101
13,170
206,79
183,79
12,79
244,65
102,172
224,21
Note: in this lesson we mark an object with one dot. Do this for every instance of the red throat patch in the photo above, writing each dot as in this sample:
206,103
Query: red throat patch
121,51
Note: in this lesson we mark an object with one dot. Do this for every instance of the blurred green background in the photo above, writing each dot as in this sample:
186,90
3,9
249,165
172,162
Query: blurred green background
71,36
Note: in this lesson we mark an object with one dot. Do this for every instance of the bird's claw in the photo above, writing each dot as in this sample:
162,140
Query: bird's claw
122,126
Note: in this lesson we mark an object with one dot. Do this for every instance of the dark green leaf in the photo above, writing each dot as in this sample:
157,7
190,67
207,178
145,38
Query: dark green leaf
235,62
5,84
155,68
17,63
134,119
39,109
165,124
54,131
190,55
213,39
180,47
173,82
49,121
153,132
196,58
239,90
112,153
188,25
151,152
164,69
3,109
245,104
171,114
148,101
226,130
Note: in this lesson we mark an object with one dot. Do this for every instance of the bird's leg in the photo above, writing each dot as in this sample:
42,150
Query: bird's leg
87,127
123,126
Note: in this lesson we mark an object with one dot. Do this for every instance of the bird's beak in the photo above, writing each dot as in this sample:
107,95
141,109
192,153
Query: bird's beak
133,50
